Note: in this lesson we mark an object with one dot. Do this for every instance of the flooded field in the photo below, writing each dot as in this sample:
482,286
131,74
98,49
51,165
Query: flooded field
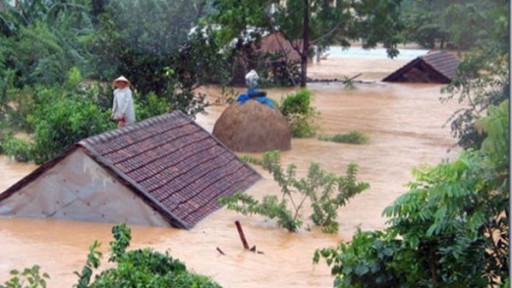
404,123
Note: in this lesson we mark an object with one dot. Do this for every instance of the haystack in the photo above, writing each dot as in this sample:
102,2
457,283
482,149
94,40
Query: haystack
253,127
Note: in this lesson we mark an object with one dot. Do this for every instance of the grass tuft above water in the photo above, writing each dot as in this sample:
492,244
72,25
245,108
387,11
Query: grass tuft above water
352,137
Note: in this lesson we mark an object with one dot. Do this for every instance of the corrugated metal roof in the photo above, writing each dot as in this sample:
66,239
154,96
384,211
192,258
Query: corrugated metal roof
170,161
434,67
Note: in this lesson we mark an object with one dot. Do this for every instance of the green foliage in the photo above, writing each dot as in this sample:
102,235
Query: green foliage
352,137
449,230
329,192
325,191
482,78
28,278
21,150
366,262
138,268
122,236
93,262
45,38
311,22
151,105
269,207
297,103
58,117
63,122
454,25
156,58
297,109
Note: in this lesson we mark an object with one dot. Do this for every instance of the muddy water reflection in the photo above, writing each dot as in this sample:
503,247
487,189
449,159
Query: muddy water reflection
403,122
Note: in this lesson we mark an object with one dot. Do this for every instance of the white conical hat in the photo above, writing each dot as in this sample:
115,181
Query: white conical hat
251,79
120,79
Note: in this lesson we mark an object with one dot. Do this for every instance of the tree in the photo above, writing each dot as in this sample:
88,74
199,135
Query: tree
458,24
45,38
451,229
145,41
482,78
308,22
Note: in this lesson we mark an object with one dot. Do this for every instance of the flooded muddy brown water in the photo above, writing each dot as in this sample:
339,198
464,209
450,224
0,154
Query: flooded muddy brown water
404,123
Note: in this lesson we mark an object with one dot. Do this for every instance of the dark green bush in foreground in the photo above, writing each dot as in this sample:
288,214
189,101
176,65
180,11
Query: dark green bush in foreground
138,268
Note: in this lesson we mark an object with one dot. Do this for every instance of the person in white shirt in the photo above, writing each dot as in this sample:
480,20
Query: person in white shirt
122,107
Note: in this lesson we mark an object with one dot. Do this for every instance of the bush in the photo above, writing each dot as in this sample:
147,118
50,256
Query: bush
21,150
325,191
451,229
138,268
64,122
296,108
349,270
353,137
150,106
28,278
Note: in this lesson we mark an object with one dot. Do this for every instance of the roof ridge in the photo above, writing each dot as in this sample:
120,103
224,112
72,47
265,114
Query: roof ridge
112,134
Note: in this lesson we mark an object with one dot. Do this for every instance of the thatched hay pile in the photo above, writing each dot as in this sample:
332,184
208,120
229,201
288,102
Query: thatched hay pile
253,127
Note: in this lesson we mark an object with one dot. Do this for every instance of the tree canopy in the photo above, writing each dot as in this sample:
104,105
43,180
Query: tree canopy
311,22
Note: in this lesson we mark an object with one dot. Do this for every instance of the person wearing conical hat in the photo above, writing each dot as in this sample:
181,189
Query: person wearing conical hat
251,80
122,107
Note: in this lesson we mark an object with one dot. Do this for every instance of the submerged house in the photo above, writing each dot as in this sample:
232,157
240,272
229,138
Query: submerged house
435,67
163,171
272,55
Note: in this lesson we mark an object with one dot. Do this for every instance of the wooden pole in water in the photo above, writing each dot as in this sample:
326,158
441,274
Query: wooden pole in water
241,234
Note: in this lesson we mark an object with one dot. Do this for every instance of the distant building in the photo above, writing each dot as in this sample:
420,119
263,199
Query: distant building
271,55
434,67
163,171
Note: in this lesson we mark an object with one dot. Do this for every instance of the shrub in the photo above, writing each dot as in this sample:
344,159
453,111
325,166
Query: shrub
325,191
138,268
150,106
353,137
28,278
64,122
20,149
296,108
378,252
451,229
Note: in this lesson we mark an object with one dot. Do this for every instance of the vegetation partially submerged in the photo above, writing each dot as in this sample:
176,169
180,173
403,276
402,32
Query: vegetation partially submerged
325,192
298,110
352,137
136,268
450,229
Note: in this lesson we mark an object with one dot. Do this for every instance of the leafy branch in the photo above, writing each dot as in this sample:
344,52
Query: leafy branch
324,191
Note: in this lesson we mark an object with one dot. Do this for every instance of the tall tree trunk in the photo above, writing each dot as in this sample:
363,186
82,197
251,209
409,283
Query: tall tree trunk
305,45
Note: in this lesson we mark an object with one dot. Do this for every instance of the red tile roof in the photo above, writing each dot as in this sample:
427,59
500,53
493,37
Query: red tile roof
175,165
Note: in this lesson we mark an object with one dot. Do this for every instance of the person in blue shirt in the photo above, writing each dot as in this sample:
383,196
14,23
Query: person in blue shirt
251,80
